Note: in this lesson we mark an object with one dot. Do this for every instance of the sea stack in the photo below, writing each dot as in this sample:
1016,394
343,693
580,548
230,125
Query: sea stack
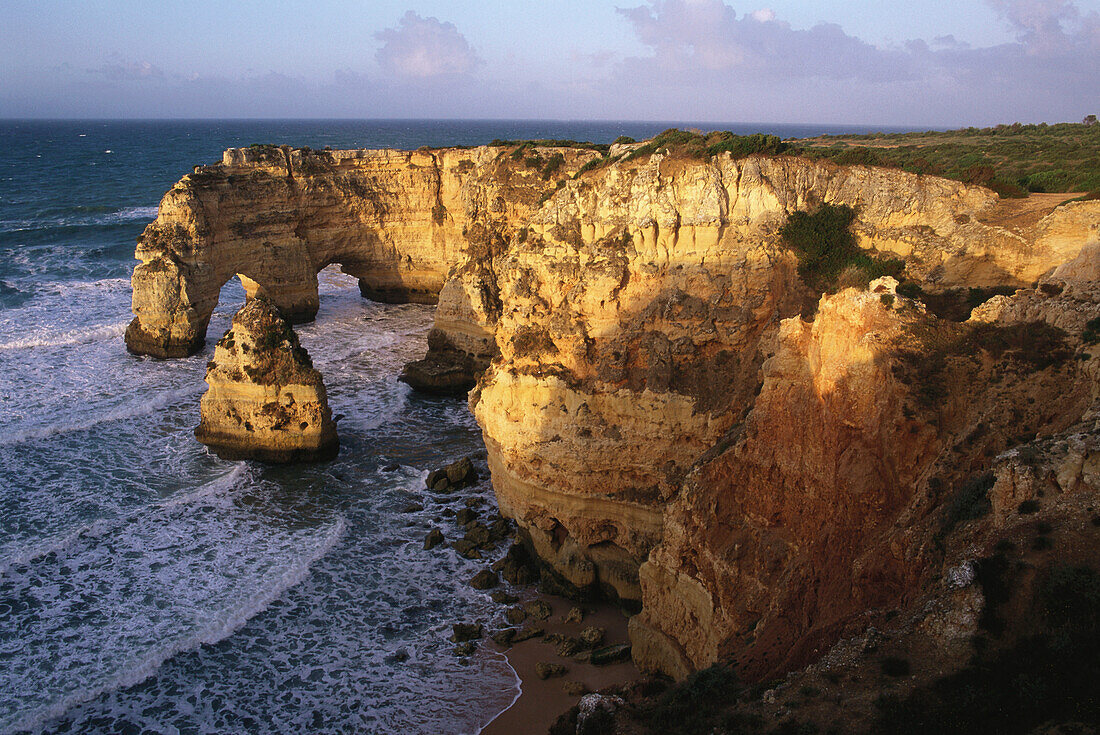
265,401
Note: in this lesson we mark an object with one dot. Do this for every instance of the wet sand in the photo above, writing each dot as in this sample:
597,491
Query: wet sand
542,701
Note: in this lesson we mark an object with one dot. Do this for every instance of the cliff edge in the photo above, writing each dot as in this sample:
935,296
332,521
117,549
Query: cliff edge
672,415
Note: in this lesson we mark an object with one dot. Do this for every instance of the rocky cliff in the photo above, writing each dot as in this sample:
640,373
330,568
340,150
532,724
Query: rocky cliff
265,400
827,507
650,397
638,305
397,220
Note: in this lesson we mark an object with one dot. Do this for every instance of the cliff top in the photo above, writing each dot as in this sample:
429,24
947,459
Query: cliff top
1012,160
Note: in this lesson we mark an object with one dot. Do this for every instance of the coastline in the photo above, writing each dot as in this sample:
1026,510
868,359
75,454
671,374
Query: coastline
540,702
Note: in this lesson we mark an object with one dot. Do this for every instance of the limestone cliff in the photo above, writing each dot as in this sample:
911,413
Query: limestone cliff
648,392
830,506
397,220
265,400
637,306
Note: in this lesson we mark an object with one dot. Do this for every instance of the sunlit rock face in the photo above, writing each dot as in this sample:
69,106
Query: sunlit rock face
265,400
397,220
842,498
617,326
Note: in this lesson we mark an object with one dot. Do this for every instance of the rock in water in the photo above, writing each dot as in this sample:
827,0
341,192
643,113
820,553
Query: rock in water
265,401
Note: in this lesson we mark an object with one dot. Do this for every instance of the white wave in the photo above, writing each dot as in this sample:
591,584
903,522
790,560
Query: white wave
125,214
218,627
58,543
210,556
139,407
519,693
65,339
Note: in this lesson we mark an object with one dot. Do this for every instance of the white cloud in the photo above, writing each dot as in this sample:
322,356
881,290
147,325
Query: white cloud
422,48
708,63
692,35
763,15
1050,26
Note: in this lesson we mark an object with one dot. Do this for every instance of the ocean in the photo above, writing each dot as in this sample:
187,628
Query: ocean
145,584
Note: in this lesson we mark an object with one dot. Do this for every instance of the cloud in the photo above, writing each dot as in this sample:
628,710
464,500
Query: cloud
1050,26
707,62
422,48
688,35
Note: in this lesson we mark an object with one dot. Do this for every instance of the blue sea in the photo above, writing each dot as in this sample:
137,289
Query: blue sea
145,584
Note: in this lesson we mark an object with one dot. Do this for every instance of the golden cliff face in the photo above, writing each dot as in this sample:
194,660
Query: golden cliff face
397,220
829,507
647,390
265,400
637,306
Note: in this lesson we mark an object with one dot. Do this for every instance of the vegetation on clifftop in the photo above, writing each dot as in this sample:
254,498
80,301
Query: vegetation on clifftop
1010,159
693,144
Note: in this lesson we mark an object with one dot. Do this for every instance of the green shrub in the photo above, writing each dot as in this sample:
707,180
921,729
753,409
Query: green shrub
692,705
1091,335
909,289
740,146
592,165
553,163
624,140
826,247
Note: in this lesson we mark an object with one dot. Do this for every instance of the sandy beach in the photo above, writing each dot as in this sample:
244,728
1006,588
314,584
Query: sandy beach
543,700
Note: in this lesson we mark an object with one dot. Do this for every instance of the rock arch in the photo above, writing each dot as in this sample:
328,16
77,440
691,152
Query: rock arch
276,217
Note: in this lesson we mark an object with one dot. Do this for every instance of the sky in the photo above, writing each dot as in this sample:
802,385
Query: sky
914,63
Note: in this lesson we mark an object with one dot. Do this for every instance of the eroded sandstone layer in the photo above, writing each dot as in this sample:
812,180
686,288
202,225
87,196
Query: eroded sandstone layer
649,395
638,305
265,400
397,220
833,502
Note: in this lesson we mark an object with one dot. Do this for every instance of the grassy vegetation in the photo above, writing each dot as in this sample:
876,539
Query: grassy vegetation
1011,159
1032,346
549,143
826,249
705,145
1048,677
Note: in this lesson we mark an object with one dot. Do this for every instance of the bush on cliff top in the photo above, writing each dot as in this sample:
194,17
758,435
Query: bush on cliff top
695,704
706,145
1014,159
826,248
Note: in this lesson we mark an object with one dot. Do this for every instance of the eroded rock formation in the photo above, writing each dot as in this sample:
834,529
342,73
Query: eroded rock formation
265,400
833,503
649,395
397,220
